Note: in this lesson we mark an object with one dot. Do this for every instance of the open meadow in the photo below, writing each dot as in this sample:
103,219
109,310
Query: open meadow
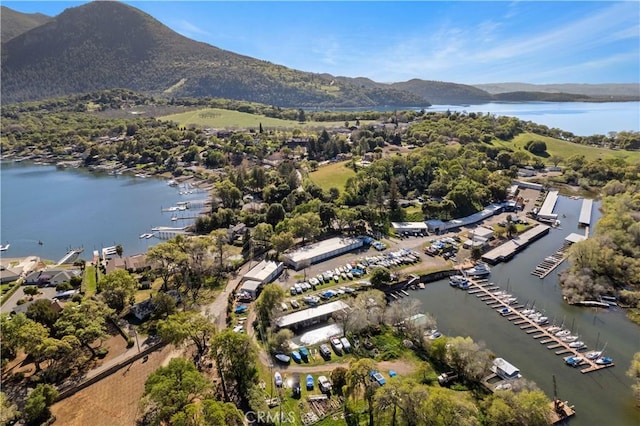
332,175
564,149
229,119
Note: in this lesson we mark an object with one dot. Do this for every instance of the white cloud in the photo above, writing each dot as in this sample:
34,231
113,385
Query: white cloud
189,29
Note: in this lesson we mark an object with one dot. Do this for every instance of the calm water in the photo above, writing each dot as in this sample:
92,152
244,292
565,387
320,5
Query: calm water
600,398
74,208
579,118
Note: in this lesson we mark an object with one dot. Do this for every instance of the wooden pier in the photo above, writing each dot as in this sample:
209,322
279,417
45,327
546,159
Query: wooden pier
550,263
529,326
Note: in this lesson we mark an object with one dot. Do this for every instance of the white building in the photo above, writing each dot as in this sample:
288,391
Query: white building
411,227
323,250
307,317
261,274
264,272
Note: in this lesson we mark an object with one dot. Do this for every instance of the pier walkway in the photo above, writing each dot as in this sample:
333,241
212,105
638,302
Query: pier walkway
498,300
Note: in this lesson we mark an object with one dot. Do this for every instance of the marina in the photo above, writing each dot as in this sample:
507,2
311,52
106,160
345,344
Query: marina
536,324
585,212
508,250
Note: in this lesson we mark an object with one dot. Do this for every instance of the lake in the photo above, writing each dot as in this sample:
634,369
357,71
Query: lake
76,208
579,118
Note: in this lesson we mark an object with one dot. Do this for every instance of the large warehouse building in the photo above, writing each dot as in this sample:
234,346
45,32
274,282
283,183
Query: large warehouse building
261,274
323,250
310,316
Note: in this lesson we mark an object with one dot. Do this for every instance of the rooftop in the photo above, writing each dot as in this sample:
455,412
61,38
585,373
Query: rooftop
311,313
322,247
262,271
549,204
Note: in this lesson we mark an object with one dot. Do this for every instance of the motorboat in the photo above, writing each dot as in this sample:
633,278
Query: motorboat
504,311
295,355
570,338
563,333
511,300
528,312
456,280
277,378
480,270
283,358
604,360
577,344
5,247
541,320
309,382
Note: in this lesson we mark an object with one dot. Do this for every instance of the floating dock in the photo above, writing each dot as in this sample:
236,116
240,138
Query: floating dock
70,257
531,327
509,249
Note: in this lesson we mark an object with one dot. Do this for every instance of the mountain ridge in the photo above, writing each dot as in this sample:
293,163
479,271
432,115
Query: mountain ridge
107,45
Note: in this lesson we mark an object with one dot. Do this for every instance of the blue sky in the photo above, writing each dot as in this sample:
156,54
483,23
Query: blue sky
463,42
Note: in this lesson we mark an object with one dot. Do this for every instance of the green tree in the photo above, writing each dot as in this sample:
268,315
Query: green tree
169,390
119,250
187,326
261,235
634,373
31,290
269,301
305,226
36,409
235,358
282,242
163,305
229,194
380,277
281,340
43,312
118,288
445,407
168,259
275,213
359,382
8,410
339,379
86,321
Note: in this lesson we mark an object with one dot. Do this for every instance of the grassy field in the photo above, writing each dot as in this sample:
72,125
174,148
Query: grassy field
566,149
89,282
222,118
333,175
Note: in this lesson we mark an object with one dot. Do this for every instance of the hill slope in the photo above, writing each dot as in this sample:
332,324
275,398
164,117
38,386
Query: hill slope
14,23
103,45
594,90
440,92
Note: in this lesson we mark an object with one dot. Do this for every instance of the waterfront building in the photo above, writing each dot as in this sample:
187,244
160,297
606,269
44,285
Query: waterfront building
320,251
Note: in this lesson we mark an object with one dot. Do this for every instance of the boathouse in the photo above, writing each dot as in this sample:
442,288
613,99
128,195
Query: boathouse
310,316
505,370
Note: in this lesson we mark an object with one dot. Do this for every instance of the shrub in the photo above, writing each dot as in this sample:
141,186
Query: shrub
64,286
103,351
31,290
21,301
130,342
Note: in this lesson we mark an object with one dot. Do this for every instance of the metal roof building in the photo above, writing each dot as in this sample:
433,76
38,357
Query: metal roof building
264,272
307,317
320,251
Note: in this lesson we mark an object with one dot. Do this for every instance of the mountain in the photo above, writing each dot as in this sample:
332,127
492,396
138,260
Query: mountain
439,92
593,90
14,23
105,45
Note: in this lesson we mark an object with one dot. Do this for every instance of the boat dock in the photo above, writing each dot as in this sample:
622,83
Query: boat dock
499,300
585,212
70,257
550,263
506,251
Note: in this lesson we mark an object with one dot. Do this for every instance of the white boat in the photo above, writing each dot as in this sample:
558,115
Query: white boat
593,355
604,360
504,311
5,247
172,182
569,338
541,320
480,270
553,329
563,333
574,361
577,344
528,312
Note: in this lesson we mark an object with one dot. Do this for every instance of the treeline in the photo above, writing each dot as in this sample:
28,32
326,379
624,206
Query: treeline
608,263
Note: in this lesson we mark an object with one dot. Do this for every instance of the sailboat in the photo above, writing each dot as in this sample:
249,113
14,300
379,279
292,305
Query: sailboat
594,355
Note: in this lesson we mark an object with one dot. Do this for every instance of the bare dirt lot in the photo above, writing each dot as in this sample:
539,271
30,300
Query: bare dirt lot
113,400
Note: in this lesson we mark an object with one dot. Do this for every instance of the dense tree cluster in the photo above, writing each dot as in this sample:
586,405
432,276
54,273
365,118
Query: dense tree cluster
609,261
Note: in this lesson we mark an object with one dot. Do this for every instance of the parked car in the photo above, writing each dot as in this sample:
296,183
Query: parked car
325,351
324,384
295,304
277,378
337,345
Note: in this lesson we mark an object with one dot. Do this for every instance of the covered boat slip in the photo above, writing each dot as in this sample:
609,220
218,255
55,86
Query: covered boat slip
546,211
585,212
509,249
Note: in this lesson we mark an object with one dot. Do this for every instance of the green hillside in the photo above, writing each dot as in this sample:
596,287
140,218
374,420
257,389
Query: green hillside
564,149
